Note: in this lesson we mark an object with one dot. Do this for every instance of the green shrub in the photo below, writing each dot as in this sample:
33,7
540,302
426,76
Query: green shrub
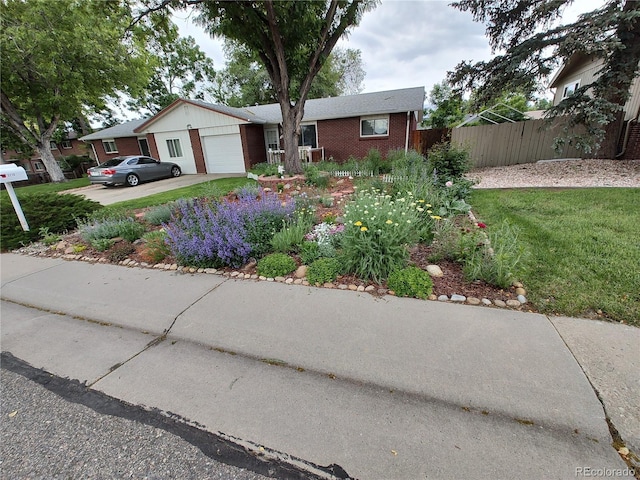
373,163
410,282
127,228
410,160
309,252
315,177
291,236
276,265
323,270
120,251
267,169
48,238
56,212
378,231
449,162
159,214
102,244
156,248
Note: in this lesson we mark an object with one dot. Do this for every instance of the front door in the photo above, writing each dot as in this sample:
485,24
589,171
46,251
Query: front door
272,138
144,147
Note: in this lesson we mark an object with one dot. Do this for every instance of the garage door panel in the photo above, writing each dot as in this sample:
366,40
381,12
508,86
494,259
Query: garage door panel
223,153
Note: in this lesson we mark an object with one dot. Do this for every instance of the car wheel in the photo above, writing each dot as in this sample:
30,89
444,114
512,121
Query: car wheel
175,171
132,180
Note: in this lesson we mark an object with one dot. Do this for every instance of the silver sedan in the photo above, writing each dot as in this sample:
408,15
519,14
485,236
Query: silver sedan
131,170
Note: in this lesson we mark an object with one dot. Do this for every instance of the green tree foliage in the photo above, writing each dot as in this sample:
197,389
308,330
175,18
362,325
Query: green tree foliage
533,43
449,107
59,58
180,69
292,39
245,80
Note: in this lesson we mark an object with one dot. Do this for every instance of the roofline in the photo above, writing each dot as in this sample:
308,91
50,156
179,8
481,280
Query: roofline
575,57
178,101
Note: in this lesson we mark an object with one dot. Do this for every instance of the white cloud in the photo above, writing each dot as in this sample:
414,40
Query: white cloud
404,43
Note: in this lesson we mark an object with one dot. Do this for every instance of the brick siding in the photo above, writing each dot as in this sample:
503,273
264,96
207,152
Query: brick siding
253,146
125,146
341,137
198,153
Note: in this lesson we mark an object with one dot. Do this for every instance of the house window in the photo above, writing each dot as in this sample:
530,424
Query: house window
38,166
66,144
272,139
175,150
109,146
27,167
53,145
374,127
570,89
308,136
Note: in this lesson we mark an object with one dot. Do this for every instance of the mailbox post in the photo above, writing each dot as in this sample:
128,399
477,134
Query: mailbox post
12,173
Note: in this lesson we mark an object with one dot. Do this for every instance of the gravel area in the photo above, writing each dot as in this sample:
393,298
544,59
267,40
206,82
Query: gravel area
561,173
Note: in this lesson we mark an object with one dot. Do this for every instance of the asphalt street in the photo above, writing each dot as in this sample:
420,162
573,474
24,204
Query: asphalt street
44,435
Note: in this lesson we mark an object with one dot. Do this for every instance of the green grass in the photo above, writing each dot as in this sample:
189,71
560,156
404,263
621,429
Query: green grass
584,247
214,188
48,187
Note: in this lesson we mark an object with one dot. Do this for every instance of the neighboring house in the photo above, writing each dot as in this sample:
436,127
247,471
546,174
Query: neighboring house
34,165
207,138
581,70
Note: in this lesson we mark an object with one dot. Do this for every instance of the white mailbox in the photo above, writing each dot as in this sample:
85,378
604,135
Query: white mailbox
12,173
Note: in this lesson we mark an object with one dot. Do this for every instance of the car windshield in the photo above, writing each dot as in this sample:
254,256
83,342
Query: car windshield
114,162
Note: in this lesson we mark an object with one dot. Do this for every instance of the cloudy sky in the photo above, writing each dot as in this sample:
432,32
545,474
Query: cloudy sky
404,43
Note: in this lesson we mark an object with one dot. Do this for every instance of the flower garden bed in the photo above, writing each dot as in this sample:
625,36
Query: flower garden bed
450,286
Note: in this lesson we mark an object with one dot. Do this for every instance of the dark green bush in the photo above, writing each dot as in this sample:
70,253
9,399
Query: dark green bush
276,265
323,270
410,282
315,177
56,212
449,162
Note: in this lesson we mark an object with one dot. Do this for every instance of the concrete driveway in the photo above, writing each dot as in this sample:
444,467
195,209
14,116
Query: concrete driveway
109,195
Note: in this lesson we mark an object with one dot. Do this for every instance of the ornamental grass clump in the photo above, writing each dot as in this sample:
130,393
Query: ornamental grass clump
208,233
378,232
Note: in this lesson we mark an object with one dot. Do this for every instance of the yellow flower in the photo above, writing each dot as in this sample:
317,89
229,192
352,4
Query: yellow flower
436,217
388,222
358,223
420,209
363,229
421,201
428,205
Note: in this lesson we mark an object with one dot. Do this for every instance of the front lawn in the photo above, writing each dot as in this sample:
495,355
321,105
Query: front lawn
47,187
583,244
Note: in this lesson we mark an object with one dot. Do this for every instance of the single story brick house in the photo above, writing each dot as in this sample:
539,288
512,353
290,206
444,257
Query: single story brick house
209,138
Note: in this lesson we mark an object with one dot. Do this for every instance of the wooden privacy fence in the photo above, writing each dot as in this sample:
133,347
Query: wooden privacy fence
522,142
423,140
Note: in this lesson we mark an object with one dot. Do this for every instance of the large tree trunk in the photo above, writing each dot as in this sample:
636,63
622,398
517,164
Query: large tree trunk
53,169
291,119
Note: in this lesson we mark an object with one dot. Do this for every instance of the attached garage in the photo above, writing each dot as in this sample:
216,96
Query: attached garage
223,153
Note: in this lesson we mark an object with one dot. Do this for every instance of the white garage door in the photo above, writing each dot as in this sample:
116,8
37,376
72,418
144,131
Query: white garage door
223,153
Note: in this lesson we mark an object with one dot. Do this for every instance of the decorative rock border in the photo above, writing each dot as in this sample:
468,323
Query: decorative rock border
273,181
288,280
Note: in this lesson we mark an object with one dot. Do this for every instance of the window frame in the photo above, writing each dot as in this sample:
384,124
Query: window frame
567,91
174,152
301,137
374,118
53,145
66,144
39,167
107,142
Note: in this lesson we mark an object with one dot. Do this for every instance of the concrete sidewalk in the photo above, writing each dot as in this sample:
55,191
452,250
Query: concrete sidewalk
383,387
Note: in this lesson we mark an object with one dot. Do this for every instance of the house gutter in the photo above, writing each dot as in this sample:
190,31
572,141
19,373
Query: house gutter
406,140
